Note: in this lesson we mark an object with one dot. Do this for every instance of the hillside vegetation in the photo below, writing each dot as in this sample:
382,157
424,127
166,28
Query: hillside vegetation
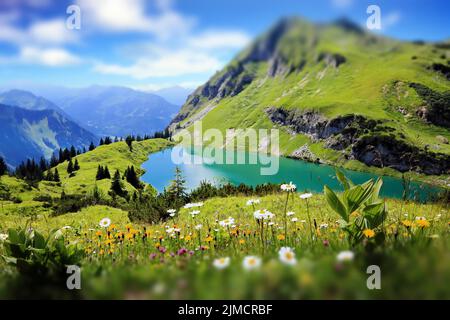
20,201
351,98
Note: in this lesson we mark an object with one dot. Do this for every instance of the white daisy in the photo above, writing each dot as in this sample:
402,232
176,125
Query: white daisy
194,213
172,212
3,237
294,219
288,187
251,263
253,201
227,222
290,213
198,227
193,205
105,222
287,256
221,263
346,255
306,195
263,214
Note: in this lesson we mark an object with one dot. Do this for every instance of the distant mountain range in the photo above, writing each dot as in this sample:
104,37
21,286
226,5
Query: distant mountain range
27,100
116,111
35,133
35,126
176,95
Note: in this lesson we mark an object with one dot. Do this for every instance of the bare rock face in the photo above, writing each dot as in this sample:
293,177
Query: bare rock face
442,139
332,59
437,109
365,140
304,153
384,151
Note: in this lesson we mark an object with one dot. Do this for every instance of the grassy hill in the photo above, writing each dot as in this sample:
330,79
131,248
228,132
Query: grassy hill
335,71
26,201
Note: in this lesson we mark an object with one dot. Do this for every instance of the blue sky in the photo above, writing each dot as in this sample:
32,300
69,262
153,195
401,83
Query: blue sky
161,43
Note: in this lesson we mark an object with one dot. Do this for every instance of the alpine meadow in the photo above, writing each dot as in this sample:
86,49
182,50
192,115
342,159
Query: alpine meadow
97,203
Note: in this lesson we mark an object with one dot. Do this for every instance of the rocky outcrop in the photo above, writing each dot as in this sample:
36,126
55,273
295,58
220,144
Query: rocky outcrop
359,138
332,59
304,153
437,108
386,151
318,127
442,68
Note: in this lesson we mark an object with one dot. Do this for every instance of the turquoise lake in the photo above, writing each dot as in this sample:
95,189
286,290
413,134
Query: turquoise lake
307,176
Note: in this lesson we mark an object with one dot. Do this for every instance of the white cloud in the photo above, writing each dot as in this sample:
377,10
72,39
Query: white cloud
187,55
52,31
152,87
342,3
219,39
131,15
41,32
28,3
52,57
164,63
390,20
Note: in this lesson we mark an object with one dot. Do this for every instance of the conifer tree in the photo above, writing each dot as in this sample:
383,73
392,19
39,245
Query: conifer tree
100,173
3,167
106,173
76,166
70,167
49,176
56,176
73,152
132,178
177,188
117,188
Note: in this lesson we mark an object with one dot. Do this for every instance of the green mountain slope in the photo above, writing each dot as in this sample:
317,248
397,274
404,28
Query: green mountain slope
345,96
28,134
25,200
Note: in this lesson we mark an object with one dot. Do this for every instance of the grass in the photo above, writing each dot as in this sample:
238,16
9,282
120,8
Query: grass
116,156
155,261
148,263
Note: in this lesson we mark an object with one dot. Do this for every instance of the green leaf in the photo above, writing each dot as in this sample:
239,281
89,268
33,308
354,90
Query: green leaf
39,241
343,179
356,196
375,214
13,236
335,203
376,190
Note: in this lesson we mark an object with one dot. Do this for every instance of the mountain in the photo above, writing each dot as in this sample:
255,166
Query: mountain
338,94
117,111
27,100
176,95
35,133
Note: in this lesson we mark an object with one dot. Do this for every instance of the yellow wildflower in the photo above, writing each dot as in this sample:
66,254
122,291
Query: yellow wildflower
241,241
209,239
423,223
355,214
407,223
369,233
281,237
